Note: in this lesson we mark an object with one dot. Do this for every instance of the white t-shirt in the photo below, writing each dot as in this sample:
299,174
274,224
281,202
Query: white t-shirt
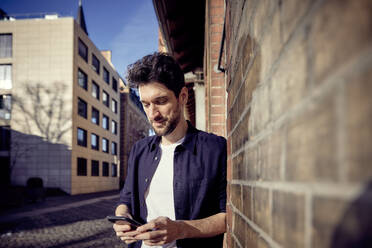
159,194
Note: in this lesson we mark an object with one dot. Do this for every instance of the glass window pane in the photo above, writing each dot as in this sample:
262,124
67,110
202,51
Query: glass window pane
95,168
5,77
81,167
82,79
114,106
106,75
106,99
114,127
113,148
83,50
5,45
114,84
94,140
95,116
82,137
105,122
114,170
105,169
95,90
95,63
5,106
82,108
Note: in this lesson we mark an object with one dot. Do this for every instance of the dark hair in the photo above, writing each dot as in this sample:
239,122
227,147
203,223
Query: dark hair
157,67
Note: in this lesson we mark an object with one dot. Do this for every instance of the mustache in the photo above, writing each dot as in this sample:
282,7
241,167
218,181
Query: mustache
159,119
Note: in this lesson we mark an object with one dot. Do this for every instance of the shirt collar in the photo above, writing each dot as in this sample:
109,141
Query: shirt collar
189,143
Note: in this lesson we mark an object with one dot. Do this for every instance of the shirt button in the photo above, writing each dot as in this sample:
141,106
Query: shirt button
156,158
146,180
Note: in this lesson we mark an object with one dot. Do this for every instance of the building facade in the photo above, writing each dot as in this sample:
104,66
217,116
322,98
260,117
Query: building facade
59,106
133,126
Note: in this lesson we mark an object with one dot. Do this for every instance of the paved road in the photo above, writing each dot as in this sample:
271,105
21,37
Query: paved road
68,224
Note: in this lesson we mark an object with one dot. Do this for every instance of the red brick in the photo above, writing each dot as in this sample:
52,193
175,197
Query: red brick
332,45
312,143
217,3
262,15
217,11
247,203
217,119
288,86
216,28
289,219
217,109
358,115
240,227
216,19
215,37
217,100
253,169
238,167
270,156
217,91
261,208
236,195
291,13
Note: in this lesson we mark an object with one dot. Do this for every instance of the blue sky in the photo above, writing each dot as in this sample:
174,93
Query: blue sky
128,28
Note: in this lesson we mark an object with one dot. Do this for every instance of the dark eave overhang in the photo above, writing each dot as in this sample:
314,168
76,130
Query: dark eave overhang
182,25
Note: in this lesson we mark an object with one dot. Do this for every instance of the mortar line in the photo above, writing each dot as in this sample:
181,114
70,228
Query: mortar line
341,191
261,233
359,62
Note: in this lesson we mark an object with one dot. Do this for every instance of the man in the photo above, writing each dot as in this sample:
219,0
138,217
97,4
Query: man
176,180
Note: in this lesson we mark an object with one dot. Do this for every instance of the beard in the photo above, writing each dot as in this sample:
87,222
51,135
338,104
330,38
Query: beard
170,124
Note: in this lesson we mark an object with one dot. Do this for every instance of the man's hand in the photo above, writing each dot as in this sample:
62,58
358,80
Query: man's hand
160,231
122,229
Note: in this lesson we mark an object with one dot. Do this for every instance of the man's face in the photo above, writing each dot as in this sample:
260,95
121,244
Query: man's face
162,107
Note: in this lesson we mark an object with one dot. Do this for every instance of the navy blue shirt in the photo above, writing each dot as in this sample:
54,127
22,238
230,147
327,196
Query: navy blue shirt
199,180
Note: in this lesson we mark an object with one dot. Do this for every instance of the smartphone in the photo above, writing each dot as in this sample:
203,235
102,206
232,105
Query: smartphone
124,220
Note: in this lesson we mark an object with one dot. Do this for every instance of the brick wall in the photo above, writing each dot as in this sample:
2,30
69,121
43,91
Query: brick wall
299,121
214,79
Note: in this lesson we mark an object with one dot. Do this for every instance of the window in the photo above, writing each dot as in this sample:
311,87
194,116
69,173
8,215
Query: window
95,116
94,141
114,127
106,99
95,63
106,75
83,50
5,106
114,84
95,90
105,145
82,108
81,167
114,170
114,106
81,137
95,168
105,169
83,79
5,138
5,45
114,148
5,77
105,122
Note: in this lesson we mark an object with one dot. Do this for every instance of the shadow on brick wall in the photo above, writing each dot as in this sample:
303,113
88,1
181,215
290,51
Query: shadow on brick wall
355,228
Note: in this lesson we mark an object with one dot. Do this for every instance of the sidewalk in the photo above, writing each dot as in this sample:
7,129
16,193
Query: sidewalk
56,203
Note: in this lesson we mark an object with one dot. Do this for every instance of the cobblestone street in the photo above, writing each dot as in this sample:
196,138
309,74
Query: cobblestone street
78,224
